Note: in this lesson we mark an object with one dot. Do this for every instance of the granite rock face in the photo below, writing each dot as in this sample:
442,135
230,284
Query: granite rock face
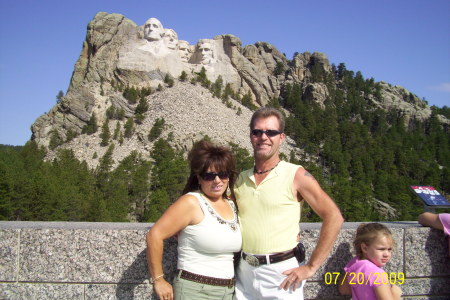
117,52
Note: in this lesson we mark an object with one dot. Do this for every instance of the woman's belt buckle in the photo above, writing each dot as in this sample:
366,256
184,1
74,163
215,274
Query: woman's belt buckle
252,260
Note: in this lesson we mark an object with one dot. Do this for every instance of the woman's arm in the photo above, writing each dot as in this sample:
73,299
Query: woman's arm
183,212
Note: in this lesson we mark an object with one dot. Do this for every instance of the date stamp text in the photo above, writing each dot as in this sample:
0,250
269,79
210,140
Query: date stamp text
377,278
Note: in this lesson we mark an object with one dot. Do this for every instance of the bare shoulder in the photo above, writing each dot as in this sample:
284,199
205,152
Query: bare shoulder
187,201
185,210
307,187
304,178
303,172
192,207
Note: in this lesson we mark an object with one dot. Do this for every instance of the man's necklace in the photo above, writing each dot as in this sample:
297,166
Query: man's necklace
265,171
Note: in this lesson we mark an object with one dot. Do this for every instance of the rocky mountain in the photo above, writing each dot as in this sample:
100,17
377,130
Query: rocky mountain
120,56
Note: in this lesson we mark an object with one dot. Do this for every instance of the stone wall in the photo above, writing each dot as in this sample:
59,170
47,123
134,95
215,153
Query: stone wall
56,260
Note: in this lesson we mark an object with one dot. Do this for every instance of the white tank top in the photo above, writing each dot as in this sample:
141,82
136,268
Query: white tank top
207,248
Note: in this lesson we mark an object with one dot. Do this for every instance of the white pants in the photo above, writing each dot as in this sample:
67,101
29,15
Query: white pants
263,282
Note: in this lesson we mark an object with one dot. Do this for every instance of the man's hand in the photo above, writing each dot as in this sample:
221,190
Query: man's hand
296,275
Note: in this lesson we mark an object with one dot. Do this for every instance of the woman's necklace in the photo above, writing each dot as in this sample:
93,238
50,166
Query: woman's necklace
232,224
265,171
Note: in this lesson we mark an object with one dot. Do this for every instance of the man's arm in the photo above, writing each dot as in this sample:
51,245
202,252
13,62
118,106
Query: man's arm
307,188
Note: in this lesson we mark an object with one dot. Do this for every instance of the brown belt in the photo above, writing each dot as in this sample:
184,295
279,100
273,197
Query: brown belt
256,260
206,279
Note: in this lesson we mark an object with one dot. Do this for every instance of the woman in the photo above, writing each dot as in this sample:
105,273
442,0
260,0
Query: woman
206,222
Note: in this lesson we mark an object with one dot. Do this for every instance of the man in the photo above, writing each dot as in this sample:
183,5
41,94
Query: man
269,198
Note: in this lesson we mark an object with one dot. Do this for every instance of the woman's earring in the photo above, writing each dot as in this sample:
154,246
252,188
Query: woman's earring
228,192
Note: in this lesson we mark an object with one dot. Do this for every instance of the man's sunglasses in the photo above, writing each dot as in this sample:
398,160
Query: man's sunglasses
269,133
210,176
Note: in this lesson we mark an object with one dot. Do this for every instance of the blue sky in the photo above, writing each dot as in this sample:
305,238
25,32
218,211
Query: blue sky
403,42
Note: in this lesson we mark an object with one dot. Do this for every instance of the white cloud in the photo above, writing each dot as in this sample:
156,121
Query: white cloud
443,87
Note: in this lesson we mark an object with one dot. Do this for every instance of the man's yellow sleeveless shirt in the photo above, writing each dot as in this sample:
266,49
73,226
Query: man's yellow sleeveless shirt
269,214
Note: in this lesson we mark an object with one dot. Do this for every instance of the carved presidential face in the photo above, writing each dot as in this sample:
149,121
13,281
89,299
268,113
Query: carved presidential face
185,51
206,52
171,39
153,30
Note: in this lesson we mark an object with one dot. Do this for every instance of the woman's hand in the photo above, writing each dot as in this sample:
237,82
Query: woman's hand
163,289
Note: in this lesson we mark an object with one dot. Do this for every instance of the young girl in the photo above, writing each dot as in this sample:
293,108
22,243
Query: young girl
373,245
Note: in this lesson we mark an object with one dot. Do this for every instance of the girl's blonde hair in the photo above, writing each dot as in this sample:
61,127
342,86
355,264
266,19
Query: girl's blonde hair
367,233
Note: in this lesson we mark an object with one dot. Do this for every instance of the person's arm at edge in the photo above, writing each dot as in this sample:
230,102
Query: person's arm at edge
430,220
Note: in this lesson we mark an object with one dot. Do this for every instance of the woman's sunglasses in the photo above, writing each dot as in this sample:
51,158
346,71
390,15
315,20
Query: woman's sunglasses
269,133
209,176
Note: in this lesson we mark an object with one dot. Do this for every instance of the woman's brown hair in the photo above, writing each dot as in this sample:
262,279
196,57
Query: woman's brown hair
205,154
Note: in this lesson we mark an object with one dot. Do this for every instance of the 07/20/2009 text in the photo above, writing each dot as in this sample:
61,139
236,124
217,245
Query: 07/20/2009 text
378,278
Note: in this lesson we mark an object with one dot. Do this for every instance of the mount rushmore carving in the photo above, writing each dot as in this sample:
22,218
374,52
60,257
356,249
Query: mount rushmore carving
157,49
117,51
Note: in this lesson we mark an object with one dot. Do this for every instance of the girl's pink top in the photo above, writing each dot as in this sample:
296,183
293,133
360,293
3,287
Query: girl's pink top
364,276
445,220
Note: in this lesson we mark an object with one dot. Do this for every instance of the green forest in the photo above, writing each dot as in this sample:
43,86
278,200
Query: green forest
364,156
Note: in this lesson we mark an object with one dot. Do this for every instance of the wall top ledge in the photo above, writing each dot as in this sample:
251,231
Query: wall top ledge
146,226
74,225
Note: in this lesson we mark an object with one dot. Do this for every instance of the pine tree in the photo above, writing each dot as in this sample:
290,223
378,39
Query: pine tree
116,131
169,80
129,128
216,87
279,69
156,129
183,76
105,135
91,127
227,92
59,96
55,140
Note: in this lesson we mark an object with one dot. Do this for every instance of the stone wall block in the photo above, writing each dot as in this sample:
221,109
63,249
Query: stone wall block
120,291
426,286
78,255
14,291
395,264
339,256
426,252
82,255
321,290
9,249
